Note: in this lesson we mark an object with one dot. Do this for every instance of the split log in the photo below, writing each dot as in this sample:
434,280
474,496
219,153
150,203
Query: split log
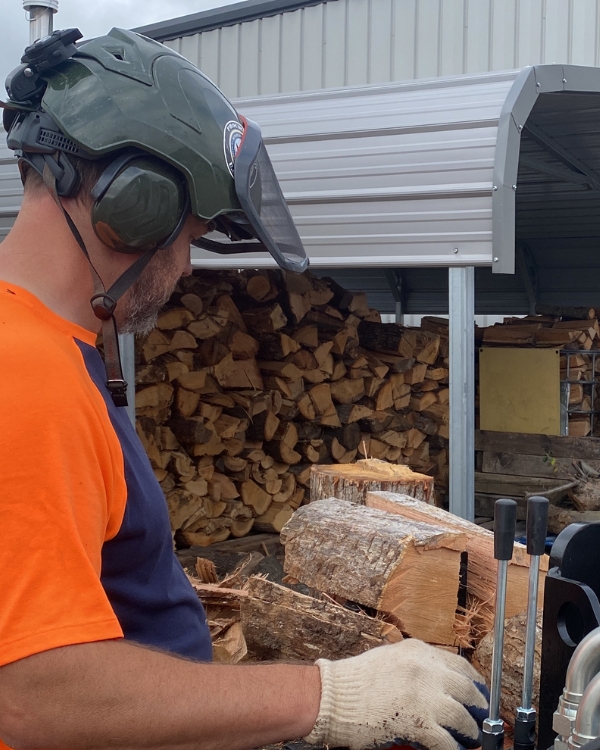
585,496
230,648
406,569
352,482
565,311
280,623
560,518
481,565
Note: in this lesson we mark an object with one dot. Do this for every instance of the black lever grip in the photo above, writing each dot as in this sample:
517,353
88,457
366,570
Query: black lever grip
537,524
505,519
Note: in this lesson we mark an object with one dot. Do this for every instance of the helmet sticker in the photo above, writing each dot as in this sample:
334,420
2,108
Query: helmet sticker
233,134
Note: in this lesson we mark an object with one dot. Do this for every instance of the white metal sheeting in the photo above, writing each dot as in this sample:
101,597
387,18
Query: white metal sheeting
11,192
357,42
394,175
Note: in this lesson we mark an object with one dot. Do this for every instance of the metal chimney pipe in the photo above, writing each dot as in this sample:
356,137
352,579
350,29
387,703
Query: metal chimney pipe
41,17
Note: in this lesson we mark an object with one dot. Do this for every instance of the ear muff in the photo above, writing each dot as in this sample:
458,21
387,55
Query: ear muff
140,203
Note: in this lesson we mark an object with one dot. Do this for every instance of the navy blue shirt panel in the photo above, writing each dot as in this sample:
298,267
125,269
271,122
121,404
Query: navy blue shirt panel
145,584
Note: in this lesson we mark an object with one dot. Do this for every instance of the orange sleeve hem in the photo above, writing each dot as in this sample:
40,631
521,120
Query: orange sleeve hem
71,635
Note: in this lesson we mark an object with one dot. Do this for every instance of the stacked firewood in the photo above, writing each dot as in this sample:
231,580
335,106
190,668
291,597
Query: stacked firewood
252,377
576,330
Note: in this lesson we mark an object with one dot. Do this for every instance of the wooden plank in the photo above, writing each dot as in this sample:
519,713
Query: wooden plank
587,448
485,502
509,486
255,542
524,465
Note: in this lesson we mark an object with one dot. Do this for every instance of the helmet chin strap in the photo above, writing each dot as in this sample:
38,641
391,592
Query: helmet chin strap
104,302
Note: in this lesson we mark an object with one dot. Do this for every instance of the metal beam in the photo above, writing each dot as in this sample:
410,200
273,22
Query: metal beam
554,170
394,280
127,349
461,289
528,273
561,153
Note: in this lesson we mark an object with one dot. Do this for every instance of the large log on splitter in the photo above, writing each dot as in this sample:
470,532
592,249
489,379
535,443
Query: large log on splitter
481,568
403,568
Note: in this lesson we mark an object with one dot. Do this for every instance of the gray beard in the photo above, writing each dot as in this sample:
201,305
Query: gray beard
148,295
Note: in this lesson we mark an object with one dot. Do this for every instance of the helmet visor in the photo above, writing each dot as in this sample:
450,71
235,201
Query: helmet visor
267,217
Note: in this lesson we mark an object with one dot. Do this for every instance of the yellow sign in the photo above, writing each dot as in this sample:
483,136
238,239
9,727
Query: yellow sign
519,390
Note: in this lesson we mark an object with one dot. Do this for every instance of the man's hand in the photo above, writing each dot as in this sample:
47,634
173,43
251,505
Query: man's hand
406,693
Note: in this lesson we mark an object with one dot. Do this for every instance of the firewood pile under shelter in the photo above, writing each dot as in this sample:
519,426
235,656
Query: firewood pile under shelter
252,377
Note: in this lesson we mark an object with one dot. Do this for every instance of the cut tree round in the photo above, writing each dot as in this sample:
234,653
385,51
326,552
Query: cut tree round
351,482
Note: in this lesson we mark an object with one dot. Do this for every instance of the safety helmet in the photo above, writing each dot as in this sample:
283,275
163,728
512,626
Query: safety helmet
179,147
129,95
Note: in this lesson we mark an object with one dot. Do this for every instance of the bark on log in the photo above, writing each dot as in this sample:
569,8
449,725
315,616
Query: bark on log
280,623
352,482
565,311
404,568
560,518
512,664
586,495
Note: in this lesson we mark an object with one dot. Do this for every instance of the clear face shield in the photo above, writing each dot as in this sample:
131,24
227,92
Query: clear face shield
266,224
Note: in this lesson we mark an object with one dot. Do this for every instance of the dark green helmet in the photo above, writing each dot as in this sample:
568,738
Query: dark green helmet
129,95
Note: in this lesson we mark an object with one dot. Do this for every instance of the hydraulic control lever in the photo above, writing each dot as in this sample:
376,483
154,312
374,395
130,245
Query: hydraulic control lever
505,517
537,526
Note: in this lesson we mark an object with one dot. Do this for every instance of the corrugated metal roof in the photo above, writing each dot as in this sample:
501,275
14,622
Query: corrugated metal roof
394,175
11,191
359,42
227,15
432,173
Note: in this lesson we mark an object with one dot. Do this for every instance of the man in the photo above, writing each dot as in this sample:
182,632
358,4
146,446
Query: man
127,155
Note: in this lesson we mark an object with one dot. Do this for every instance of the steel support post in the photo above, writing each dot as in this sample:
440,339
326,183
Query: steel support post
127,348
461,288
394,280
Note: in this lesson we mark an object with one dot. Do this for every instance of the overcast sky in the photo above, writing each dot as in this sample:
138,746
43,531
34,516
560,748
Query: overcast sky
92,18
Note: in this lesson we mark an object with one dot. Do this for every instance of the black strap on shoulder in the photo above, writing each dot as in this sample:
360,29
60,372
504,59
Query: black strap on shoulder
103,304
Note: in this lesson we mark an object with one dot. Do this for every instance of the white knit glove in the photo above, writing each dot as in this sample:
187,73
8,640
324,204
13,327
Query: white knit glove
405,693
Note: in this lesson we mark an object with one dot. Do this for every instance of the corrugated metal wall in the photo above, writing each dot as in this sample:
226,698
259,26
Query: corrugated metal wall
11,191
348,42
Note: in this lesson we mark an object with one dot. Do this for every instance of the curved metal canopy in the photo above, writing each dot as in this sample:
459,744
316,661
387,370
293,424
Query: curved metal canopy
439,173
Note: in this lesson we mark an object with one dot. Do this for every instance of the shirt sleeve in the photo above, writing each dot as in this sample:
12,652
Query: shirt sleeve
62,495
